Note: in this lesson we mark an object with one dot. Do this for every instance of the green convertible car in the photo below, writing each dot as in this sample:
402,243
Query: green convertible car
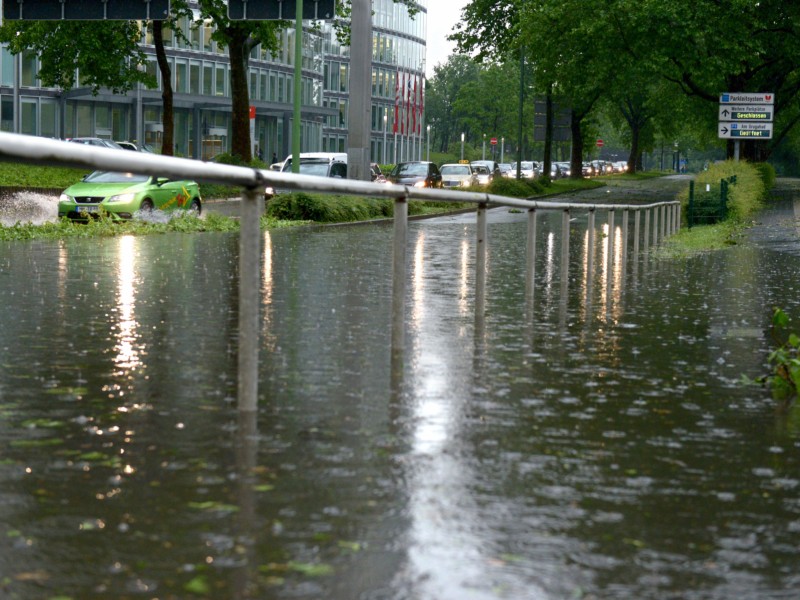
122,195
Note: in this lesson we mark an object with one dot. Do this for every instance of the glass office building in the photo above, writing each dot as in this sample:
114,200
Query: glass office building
201,83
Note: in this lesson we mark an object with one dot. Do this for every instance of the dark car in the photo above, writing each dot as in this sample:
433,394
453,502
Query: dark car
418,174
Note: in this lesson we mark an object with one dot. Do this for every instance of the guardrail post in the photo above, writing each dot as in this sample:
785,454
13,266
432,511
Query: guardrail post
610,257
590,248
249,284
624,237
646,229
690,210
399,252
637,217
480,262
655,226
564,267
664,222
677,217
530,271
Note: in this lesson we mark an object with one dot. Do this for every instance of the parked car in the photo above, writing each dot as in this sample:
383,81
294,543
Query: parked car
458,175
416,173
491,166
93,141
122,195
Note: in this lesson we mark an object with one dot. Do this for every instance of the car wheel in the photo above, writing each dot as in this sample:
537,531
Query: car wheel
146,206
195,207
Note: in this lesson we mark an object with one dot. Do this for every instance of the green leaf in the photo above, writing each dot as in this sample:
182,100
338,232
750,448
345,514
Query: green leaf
198,585
780,319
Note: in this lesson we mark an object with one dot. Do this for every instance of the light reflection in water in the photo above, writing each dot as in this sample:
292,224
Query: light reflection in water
127,353
463,290
266,293
549,268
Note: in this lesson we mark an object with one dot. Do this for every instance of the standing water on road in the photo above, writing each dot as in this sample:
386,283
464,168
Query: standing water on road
595,443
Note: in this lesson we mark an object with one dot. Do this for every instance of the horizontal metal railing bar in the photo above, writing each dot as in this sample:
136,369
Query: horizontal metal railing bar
32,149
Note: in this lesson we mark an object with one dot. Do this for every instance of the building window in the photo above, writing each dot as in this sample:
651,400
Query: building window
48,122
220,80
208,79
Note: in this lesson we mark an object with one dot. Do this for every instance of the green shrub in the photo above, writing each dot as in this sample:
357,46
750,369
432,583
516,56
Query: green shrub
506,186
323,208
767,172
745,197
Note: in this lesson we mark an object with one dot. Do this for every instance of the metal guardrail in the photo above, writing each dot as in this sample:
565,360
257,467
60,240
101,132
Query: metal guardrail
36,150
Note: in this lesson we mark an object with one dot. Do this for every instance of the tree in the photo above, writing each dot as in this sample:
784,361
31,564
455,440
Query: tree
707,47
67,47
442,94
240,37
179,10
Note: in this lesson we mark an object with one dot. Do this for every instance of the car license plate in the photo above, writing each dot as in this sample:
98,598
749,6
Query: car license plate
87,209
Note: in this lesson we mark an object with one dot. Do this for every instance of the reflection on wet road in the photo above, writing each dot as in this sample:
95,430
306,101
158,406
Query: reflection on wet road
593,442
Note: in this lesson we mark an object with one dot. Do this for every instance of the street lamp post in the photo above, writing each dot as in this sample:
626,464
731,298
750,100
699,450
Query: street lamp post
428,128
385,124
483,156
502,149
462,145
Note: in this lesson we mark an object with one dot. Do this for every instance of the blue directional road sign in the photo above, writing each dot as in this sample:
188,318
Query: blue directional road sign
745,131
269,10
85,10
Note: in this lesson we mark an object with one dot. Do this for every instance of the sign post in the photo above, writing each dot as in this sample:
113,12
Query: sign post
745,116
85,10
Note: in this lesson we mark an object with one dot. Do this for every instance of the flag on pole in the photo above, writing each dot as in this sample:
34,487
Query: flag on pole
414,107
420,103
409,90
396,101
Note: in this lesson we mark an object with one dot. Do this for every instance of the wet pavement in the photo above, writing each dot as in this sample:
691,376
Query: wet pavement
592,443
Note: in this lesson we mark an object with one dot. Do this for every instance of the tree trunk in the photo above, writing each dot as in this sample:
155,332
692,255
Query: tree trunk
576,158
240,94
167,110
632,157
548,132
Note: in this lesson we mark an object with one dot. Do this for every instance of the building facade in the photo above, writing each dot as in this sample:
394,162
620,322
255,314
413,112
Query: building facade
201,83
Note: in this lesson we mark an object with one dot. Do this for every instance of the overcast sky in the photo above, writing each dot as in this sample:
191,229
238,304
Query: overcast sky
442,16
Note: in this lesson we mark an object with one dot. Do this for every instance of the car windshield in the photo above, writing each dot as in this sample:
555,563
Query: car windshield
455,170
481,170
115,177
412,169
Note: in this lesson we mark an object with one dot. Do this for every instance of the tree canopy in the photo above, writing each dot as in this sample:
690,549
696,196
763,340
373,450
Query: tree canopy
633,56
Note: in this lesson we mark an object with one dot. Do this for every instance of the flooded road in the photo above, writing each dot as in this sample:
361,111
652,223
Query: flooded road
594,443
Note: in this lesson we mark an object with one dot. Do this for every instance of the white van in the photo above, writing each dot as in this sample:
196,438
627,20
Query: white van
320,164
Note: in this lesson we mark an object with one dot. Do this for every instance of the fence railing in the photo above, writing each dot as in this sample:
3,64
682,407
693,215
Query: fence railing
661,220
710,206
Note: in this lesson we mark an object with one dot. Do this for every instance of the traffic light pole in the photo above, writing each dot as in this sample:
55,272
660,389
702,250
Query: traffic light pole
298,87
